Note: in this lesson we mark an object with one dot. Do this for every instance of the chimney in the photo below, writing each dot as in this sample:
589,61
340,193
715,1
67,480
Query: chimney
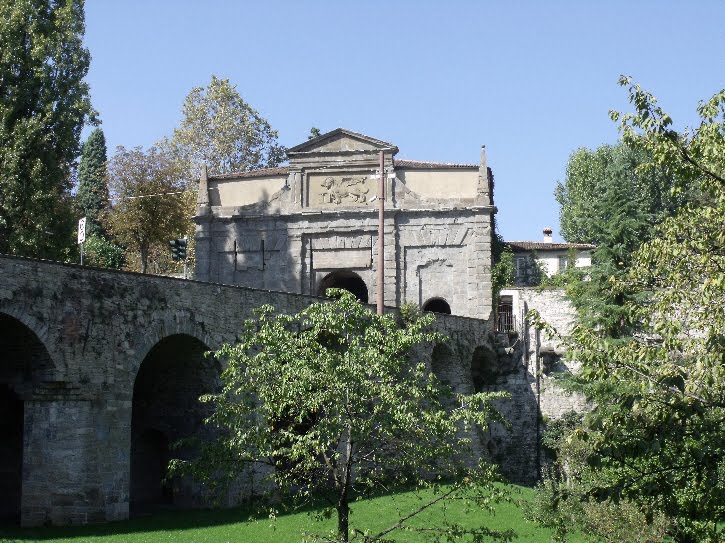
547,235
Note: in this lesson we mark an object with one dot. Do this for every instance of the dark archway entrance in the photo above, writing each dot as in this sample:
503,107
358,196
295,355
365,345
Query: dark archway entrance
346,280
166,409
437,305
11,454
150,458
485,369
441,362
24,361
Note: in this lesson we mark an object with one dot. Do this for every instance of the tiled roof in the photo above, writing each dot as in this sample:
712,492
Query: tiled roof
282,170
419,164
264,172
544,246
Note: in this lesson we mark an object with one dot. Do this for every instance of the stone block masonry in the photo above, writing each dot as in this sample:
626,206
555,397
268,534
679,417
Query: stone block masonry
530,373
314,224
103,369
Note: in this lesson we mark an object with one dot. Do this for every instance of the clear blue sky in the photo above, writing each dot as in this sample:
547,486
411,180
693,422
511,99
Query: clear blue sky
533,81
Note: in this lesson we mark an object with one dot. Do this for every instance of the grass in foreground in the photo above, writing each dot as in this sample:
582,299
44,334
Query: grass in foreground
236,526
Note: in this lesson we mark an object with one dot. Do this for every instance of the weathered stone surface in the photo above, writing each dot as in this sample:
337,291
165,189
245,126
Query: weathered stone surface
437,237
534,364
560,313
73,341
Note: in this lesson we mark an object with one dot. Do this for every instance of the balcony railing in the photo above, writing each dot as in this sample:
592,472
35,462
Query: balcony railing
505,321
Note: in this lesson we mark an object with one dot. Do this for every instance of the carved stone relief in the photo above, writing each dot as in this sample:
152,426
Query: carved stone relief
339,190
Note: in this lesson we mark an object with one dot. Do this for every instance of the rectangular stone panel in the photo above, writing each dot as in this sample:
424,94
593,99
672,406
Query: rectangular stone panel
341,189
341,258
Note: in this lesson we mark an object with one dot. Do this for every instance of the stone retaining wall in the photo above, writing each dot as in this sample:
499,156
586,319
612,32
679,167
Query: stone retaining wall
88,331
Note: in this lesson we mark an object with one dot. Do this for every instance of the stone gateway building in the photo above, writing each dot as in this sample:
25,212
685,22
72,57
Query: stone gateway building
100,370
314,225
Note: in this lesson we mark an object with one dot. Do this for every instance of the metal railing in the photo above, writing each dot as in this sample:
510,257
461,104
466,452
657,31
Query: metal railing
505,320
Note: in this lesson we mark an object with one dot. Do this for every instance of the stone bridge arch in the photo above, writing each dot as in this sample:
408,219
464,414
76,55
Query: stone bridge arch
52,368
100,327
25,365
148,339
171,377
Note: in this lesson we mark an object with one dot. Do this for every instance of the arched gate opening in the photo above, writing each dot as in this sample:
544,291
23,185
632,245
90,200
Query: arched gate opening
437,305
346,280
485,368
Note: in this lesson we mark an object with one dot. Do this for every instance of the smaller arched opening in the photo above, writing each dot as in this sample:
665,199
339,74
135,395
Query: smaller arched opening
346,280
437,305
441,362
485,368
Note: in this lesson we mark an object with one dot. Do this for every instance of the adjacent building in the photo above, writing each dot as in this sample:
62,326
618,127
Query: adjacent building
532,258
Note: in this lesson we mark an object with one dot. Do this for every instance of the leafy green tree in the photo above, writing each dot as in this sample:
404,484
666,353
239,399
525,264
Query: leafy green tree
607,199
333,401
93,200
150,201
221,130
44,104
103,253
558,430
655,440
314,133
502,271
591,195
92,195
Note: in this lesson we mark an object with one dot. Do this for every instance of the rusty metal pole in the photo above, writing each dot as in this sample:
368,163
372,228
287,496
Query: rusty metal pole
381,240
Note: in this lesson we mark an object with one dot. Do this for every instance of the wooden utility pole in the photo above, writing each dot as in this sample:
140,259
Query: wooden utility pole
381,240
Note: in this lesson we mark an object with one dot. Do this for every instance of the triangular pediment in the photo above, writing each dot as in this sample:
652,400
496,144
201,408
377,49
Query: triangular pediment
341,140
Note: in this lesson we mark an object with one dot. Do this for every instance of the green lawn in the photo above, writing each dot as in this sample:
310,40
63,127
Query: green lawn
235,526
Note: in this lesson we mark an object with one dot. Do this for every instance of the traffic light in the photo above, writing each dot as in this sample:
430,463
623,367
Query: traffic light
178,249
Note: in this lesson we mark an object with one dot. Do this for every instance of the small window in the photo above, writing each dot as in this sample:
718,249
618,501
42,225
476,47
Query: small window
521,266
563,263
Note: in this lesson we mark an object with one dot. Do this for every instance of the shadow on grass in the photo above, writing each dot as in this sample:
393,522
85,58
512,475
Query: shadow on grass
162,521
244,523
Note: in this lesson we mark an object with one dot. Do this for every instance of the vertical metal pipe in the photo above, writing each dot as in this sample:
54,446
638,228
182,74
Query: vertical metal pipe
381,240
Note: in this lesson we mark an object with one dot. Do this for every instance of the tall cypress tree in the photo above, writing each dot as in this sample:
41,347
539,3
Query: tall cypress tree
92,196
44,104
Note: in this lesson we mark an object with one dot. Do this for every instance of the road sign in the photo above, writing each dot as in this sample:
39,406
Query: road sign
82,230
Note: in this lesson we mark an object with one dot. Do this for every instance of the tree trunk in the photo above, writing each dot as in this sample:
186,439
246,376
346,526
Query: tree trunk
343,506
343,518
144,253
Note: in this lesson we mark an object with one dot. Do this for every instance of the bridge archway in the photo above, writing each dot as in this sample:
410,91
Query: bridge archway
347,280
165,409
485,368
441,362
25,361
